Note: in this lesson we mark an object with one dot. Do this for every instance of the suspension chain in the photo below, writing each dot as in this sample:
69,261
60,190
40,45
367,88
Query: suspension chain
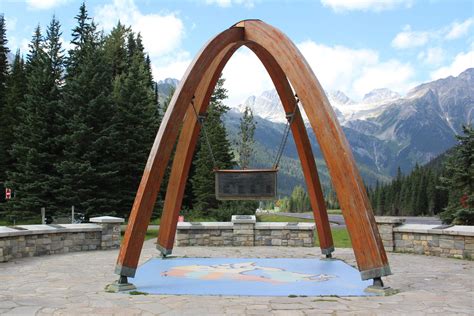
201,120
289,120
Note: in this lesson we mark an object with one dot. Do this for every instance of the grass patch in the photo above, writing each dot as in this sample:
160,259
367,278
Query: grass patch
137,293
32,221
281,218
340,237
151,233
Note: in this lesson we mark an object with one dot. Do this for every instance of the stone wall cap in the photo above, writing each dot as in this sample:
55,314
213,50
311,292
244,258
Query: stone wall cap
435,229
23,230
106,219
285,225
205,225
244,219
460,230
389,220
418,228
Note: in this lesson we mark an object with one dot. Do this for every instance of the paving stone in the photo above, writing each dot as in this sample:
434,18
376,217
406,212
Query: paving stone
427,284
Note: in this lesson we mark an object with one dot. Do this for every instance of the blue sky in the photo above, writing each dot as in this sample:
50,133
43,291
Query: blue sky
353,46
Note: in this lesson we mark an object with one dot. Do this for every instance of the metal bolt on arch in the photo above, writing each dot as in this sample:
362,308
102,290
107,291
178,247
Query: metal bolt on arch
285,65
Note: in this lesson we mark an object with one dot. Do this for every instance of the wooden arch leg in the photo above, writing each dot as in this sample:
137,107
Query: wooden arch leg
303,146
145,199
185,151
368,247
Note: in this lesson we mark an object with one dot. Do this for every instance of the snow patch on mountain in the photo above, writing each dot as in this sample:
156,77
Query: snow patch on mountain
380,95
268,105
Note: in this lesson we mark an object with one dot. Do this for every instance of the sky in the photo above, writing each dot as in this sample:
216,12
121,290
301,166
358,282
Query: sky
353,46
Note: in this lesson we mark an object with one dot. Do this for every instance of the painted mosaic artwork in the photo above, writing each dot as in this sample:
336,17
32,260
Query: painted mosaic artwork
253,277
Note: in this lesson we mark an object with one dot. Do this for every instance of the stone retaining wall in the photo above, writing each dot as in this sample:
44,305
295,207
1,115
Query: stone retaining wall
37,240
244,231
204,234
284,234
443,241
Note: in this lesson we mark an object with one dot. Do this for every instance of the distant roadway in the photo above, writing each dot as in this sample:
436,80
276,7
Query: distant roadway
337,220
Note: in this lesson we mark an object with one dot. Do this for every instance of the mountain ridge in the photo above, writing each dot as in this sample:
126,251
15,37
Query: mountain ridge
385,130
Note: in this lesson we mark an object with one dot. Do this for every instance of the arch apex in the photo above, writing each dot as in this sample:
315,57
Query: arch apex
242,23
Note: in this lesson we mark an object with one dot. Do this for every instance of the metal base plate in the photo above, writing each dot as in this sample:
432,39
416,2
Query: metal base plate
119,287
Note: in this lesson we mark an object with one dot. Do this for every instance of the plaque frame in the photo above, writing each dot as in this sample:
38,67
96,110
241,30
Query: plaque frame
245,176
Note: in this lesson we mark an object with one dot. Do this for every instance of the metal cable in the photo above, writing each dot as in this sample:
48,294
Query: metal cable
290,117
201,119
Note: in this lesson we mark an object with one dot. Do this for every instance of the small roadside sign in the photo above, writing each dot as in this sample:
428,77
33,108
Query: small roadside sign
8,193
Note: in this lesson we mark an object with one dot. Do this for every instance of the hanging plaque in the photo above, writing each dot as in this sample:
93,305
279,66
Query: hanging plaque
247,184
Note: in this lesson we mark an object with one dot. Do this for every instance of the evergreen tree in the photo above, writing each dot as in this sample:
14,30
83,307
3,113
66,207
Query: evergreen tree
117,53
203,179
3,60
89,170
4,141
299,200
9,116
245,142
459,181
36,148
136,122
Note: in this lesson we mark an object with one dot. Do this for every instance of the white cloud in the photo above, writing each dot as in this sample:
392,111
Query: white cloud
172,66
366,5
391,74
433,56
461,62
355,71
66,45
457,30
245,76
44,4
162,33
21,44
11,22
408,38
229,3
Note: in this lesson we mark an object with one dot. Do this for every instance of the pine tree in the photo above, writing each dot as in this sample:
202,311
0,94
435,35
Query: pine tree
299,201
3,60
89,171
9,116
245,142
118,56
203,178
36,148
136,123
459,181
4,141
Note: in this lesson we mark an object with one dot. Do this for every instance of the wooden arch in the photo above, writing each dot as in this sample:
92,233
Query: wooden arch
285,64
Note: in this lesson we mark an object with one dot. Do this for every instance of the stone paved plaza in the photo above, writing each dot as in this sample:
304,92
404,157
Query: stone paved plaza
73,284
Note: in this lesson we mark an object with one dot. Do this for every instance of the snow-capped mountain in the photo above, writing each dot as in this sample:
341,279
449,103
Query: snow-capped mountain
166,87
267,106
380,95
385,130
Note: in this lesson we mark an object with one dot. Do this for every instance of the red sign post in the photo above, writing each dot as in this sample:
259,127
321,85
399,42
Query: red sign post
8,193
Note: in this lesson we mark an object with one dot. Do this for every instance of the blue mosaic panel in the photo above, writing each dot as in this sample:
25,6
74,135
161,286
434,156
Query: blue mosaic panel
249,277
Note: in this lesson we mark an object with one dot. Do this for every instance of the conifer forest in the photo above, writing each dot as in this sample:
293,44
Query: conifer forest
77,125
